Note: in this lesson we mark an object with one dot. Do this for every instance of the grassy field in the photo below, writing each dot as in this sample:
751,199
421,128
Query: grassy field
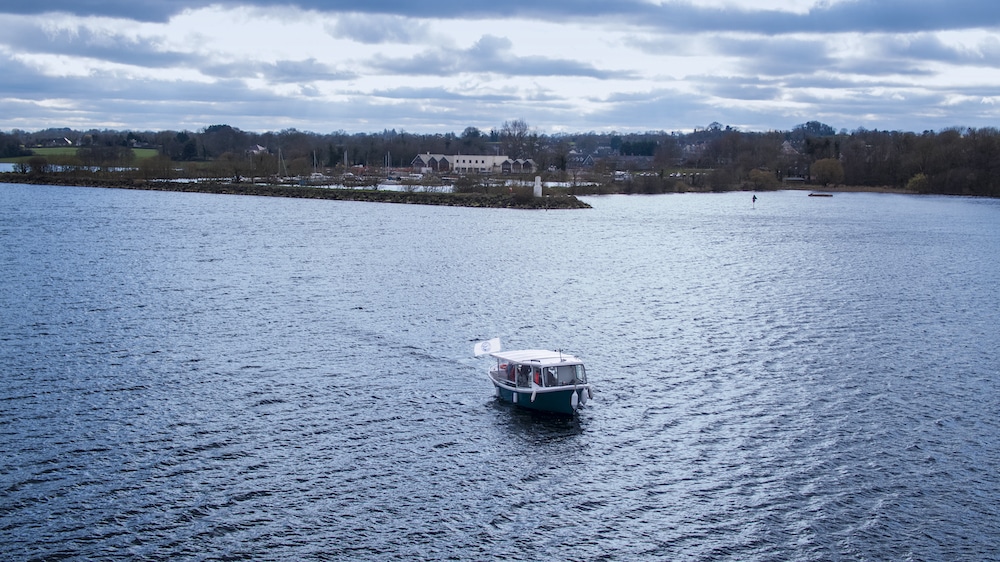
62,151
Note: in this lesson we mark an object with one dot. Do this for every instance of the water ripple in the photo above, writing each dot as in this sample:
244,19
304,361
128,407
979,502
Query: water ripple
208,377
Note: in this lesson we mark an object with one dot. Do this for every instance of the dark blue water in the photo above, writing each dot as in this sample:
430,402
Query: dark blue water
219,377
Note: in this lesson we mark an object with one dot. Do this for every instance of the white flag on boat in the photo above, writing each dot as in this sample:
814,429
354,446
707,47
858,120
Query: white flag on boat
488,346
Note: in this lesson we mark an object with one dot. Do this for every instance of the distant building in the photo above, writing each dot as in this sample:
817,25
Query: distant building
425,163
577,160
693,151
471,164
53,143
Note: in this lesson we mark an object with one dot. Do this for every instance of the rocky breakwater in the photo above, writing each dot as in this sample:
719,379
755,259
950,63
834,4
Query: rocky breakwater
305,192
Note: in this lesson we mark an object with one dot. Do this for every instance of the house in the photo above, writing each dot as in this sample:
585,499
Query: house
520,166
425,163
52,143
577,160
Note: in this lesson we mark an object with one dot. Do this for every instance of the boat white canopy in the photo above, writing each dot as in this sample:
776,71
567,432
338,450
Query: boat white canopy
540,357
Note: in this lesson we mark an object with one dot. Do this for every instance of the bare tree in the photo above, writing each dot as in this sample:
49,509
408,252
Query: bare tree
516,140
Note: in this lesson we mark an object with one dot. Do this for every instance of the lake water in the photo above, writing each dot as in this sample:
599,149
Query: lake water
221,377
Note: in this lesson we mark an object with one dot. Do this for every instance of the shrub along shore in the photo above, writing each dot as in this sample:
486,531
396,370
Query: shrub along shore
517,200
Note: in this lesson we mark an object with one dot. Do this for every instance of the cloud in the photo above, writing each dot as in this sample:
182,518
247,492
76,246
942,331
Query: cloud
148,10
677,15
490,54
20,80
929,47
440,94
77,40
376,29
775,56
657,109
282,71
738,88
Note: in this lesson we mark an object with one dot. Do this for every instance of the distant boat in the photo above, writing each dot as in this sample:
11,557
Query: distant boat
820,195
538,379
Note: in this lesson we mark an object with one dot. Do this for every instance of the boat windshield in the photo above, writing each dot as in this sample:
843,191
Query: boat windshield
563,375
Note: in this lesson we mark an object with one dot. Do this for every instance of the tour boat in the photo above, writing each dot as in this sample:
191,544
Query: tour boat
539,379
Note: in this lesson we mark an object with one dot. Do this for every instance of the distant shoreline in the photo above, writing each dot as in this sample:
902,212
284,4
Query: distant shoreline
306,192
854,189
404,197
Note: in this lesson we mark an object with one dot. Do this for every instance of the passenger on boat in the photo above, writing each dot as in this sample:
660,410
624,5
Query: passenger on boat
523,374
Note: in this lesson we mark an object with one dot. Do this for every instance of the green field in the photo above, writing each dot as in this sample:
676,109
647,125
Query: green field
61,151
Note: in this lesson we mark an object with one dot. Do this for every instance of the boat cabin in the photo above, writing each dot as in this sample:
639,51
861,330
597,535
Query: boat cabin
538,369
524,374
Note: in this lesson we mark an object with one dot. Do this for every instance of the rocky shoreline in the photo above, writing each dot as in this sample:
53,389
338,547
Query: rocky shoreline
307,192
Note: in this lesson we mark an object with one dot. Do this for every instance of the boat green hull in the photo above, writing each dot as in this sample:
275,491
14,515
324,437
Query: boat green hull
557,402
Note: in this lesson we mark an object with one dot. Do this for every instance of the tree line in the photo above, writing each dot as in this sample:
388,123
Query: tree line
961,161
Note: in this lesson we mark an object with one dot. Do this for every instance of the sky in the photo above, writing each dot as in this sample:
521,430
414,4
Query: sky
439,66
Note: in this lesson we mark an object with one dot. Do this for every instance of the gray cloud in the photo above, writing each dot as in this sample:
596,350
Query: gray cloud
440,94
776,56
661,109
490,54
20,81
148,10
81,41
745,89
926,47
859,15
283,71
374,29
